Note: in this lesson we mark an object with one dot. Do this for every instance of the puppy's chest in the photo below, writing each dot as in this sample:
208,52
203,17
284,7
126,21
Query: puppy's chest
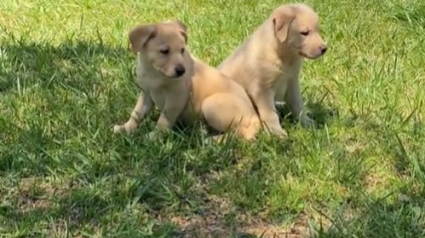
160,95
282,80
175,97
277,73
159,98
157,92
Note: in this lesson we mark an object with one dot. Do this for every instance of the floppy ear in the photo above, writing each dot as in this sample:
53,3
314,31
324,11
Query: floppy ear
183,29
140,35
282,19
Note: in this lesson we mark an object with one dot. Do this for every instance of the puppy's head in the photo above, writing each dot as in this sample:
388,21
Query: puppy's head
296,27
163,45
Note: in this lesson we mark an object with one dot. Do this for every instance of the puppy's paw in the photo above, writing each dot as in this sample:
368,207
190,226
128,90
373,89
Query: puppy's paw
127,127
208,141
307,122
153,135
278,132
118,129
281,134
157,135
214,139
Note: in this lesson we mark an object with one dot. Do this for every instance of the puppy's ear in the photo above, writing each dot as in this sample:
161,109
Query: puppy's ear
282,20
140,35
183,29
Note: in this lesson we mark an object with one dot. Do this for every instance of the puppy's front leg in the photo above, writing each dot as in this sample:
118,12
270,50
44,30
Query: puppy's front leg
142,108
173,108
295,102
267,112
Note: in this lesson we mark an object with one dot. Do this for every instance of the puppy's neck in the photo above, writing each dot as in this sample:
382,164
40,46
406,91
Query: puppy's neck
287,54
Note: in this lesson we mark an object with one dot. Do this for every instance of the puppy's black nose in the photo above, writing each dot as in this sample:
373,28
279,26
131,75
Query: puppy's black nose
180,70
323,49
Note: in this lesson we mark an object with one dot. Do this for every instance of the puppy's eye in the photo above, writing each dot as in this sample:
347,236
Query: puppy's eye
164,51
304,33
182,50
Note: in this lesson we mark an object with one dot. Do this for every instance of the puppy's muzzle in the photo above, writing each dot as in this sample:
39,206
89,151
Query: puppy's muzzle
179,70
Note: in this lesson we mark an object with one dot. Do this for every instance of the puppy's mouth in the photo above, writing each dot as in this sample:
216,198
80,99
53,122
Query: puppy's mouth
309,56
175,77
172,76
303,55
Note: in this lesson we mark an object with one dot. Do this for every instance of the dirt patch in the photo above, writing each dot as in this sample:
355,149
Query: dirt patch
34,193
26,202
352,145
217,220
214,226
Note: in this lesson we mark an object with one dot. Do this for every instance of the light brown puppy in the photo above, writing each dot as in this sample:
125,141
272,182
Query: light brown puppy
183,87
268,63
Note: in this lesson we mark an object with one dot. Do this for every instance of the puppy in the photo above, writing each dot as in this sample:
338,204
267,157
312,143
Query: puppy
184,88
268,63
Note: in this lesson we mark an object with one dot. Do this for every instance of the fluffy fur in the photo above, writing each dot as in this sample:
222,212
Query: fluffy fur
183,87
268,63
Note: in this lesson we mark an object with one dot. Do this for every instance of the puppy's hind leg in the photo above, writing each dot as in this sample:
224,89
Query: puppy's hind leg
224,112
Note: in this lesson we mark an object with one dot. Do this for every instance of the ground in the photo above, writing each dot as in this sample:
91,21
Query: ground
66,78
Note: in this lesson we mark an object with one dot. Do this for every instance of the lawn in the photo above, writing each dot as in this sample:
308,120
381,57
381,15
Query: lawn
66,78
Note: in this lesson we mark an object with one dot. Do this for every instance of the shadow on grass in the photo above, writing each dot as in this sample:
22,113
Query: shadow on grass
64,90
154,180
170,179
70,63
74,211
79,211
317,111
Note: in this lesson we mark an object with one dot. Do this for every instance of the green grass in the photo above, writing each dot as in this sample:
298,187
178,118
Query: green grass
66,79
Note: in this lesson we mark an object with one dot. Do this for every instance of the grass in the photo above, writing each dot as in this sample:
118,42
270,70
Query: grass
66,79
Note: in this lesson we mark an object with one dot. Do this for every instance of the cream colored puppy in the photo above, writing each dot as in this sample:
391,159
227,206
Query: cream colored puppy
268,63
183,87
